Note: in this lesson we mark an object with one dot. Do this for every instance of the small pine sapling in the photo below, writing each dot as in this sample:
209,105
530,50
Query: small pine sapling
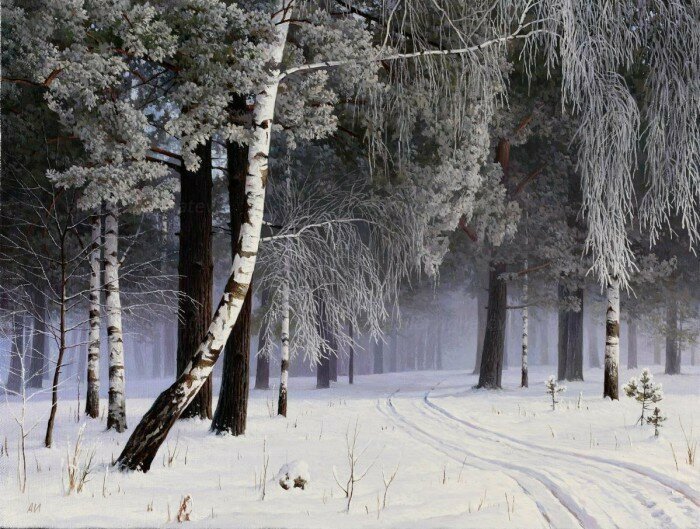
644,391
656,418
553,389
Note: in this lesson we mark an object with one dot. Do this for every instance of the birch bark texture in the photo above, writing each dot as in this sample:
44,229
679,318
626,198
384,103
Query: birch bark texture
92,400
284,363
150,433
116,413
611,384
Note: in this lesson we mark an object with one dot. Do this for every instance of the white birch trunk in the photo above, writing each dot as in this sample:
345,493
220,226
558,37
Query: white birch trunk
157,422
116,414
523,370
612,341
92,402
284,373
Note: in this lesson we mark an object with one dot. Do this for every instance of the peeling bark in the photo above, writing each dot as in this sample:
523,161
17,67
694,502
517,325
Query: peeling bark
284,364
611,384
116,414
151,432
92,400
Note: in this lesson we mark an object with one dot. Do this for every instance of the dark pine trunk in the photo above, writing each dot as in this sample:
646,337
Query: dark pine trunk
323,373
494,335
673,351
632,344
574,353
482,301
563,335
195,268
378,357
232,407
394,354
262,362
333,360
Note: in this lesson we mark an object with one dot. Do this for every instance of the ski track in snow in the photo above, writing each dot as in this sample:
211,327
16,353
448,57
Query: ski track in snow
663,498
579,489
557,508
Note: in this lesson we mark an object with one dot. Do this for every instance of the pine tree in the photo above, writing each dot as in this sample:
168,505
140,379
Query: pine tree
554,389
644,391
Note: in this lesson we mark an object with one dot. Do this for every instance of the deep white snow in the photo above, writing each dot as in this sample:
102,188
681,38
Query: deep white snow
466,458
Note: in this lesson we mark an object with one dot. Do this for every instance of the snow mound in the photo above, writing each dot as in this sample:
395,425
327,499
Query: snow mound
294,474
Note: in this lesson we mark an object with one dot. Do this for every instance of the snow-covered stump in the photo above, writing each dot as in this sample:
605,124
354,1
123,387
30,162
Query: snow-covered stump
612,341
294,475
92,400
116,414
151,432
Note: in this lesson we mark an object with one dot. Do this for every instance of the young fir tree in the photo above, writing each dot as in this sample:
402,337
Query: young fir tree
644,391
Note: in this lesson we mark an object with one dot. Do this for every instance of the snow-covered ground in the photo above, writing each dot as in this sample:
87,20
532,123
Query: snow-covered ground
465,458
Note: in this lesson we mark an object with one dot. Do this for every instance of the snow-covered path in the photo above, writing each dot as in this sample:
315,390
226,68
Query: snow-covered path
570,488
465,459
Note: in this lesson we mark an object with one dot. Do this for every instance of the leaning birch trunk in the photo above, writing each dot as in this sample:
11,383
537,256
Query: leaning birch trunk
284,372
92,401
612,341
150,433
116,414
523,364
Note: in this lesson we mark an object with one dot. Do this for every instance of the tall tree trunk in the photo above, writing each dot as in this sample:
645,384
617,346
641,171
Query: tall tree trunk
632,344
611,384
593,357
494,335
262,361
323,366
48,439
524,382
16,373
574,348
195,267
378,357
284,364
438,348
157,422
333,363
544,350
673,351
657,351
232,407
38,362
116,415
482,301
351,356
92,400
563,333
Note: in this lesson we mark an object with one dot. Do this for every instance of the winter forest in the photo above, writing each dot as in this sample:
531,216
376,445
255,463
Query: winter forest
350,263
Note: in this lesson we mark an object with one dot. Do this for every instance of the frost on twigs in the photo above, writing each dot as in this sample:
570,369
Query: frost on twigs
645,392
553,389
294,475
